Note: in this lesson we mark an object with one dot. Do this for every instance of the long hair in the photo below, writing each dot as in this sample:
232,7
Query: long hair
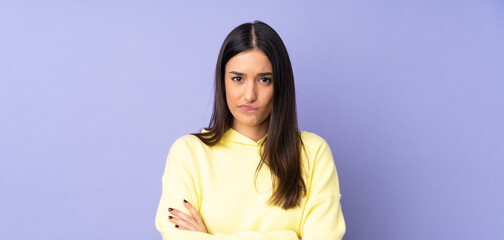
281,151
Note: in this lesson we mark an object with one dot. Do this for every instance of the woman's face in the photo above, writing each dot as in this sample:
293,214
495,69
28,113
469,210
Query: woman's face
248,80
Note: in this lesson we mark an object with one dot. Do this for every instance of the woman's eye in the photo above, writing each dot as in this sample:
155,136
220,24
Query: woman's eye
236,79
266,80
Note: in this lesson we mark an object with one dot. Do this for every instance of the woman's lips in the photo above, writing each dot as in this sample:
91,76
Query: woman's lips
247,107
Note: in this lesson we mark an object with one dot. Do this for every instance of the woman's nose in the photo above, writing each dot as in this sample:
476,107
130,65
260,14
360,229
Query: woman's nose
250,92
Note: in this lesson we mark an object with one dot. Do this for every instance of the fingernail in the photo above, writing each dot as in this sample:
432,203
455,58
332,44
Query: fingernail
170,217
185,200
170,209
176,226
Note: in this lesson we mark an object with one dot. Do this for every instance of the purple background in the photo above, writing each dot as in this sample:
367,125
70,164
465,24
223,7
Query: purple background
410,97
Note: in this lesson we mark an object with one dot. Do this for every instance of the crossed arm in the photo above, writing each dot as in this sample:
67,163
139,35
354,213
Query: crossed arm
321,216
182,221
189,222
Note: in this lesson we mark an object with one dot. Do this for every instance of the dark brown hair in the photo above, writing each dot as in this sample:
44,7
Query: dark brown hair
282,147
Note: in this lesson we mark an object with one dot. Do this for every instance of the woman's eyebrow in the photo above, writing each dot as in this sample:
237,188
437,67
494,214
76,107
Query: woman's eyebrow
259,74
264,74
237,73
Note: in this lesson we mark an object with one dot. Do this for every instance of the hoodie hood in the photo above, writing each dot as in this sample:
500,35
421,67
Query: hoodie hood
234,136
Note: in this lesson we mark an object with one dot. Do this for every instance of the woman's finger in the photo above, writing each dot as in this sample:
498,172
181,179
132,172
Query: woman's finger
193,212
184,221
181,215
183,228
181,224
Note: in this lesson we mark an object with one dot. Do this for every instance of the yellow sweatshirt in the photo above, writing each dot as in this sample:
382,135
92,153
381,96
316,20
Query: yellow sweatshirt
219,182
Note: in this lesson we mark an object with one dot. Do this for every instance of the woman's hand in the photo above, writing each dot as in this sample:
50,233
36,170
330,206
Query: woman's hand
183,221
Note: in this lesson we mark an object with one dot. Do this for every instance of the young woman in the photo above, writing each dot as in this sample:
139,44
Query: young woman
251,174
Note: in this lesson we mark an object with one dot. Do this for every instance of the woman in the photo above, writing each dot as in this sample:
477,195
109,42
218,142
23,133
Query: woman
251,174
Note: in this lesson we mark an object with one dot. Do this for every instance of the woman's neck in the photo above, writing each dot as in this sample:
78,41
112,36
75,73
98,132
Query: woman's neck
253,132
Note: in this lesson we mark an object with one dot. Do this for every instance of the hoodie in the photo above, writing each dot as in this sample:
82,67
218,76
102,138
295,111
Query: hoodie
232,199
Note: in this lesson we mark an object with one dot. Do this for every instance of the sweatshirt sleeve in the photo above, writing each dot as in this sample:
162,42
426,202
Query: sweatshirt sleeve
322,216
177,185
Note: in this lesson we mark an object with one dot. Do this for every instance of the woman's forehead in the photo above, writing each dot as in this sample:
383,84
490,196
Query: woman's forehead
249,61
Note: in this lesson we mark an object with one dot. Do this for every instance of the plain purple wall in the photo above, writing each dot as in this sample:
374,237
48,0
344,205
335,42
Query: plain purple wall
410,97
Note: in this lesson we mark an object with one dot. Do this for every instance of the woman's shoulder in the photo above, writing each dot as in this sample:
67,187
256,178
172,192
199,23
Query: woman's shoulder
316,153
185,152
188,138
311,139
315,147
186,142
